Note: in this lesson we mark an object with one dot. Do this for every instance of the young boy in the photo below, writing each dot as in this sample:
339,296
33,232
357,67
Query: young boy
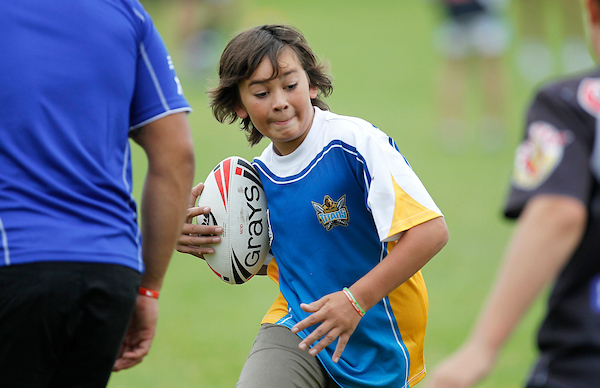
351,225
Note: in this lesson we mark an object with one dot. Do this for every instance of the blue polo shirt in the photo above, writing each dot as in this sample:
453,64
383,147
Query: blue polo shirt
75,78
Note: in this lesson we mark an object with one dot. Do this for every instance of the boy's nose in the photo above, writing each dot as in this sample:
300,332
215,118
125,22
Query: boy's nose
279,102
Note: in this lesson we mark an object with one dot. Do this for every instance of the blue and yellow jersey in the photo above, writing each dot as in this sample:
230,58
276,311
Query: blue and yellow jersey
337,206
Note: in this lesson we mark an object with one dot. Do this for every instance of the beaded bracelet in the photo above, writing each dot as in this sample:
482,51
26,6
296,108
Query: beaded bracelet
355,304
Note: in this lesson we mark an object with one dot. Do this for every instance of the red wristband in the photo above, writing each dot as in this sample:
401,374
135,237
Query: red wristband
149,293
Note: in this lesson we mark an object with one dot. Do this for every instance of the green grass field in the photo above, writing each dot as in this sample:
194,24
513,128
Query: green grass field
384,65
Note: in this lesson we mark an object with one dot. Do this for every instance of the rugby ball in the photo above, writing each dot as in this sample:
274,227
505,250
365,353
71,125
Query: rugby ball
235,195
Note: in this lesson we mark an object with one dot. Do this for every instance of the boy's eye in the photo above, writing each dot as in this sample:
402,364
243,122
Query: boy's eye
291,87
260,95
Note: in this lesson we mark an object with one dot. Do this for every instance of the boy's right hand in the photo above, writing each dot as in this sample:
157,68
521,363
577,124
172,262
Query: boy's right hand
337,319
195,239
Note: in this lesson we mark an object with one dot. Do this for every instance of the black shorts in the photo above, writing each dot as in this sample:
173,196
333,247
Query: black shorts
62,323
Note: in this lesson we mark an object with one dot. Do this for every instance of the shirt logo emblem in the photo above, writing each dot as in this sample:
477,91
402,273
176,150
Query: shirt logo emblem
588,95
539,155
332,213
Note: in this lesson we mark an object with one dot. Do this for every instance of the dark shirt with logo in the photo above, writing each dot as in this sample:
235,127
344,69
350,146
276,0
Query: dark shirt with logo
560,154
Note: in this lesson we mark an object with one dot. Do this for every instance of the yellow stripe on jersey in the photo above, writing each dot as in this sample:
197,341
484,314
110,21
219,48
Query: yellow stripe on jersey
279,308
410,306
408,212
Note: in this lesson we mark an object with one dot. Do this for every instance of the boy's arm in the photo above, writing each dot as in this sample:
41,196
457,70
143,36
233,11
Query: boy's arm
547,233
335,312
416,247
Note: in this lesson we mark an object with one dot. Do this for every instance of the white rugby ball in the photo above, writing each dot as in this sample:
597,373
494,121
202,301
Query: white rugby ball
235,195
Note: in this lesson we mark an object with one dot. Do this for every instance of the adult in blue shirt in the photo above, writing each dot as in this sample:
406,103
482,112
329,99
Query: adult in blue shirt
78,287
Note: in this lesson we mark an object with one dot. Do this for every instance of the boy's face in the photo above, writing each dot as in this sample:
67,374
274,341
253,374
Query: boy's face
279,108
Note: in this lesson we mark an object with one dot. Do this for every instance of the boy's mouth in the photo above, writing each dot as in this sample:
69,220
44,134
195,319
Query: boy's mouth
282,122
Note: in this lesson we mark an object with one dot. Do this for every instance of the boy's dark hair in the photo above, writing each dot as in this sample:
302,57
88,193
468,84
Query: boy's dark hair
242,56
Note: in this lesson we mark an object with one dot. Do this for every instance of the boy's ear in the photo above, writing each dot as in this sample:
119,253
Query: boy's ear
313,91
240,111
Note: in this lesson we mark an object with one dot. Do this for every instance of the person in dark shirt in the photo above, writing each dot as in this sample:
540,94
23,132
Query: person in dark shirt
556,199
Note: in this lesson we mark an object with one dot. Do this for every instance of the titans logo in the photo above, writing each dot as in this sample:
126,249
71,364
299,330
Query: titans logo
332,213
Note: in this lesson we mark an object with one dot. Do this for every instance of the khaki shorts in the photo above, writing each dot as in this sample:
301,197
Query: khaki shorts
275,361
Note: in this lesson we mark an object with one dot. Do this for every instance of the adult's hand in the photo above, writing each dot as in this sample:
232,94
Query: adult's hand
140,333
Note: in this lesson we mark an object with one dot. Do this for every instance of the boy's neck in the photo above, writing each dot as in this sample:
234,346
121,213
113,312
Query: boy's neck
286,148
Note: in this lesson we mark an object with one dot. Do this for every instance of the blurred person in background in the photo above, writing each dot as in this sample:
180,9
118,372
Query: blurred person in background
535,57
204,27
555,196
472,38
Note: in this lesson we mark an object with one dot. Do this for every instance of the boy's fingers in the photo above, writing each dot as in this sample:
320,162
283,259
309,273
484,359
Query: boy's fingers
195,193
314,306
339,349
195,251
202,230
327,340
192,212
312,319
306,322
320,333
196,241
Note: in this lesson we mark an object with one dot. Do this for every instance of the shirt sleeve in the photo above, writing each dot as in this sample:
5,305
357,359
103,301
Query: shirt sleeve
158,91
395,195
554,156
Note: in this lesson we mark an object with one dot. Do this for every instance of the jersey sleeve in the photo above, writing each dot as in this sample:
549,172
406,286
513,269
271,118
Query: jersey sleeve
554,156
158,91
396,197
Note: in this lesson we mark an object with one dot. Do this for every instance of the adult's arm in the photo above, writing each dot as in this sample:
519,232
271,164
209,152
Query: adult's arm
547,233
169,148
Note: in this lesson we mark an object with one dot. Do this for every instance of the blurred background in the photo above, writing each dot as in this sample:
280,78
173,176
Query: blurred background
451,90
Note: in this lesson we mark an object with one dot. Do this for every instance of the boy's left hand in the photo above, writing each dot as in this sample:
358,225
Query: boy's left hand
196,239
338,319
